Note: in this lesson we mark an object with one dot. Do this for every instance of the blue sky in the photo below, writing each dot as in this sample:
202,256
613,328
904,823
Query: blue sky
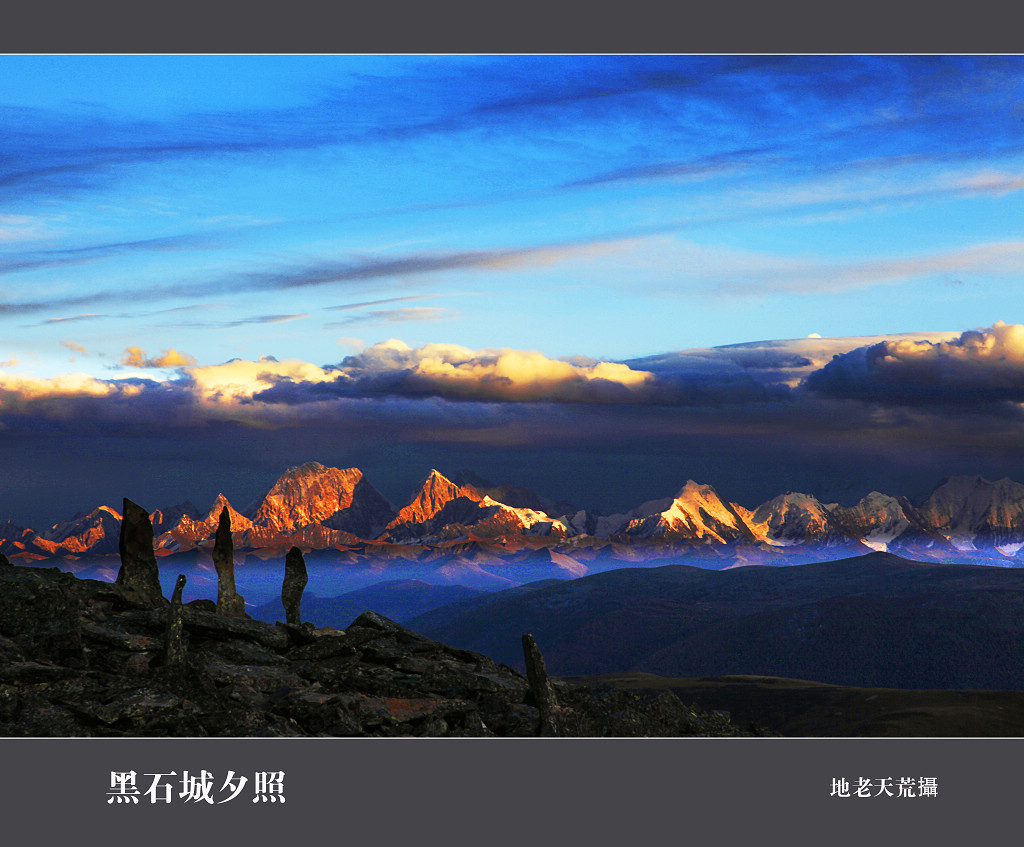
161,216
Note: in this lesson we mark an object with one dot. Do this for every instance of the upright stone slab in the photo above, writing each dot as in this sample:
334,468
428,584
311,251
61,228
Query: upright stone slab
174,643
540,687
230,603
5,562
139,574
295,579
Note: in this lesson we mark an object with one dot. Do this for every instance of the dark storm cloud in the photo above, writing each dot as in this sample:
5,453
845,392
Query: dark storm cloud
127,406
982,368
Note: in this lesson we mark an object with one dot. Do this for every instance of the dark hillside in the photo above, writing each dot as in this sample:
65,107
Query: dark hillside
875,620
798,708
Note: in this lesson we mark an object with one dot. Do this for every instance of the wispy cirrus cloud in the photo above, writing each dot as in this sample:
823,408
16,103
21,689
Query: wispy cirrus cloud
367,303
85,316
993,182
327,272
390,316
253,320
324,272
732,272
700,167
267,319
48,152
60,257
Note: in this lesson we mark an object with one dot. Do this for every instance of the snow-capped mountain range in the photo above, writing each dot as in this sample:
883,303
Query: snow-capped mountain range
318,508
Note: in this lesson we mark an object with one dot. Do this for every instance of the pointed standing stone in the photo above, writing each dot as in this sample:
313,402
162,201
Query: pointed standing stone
139,572
295,579
4,561
230,603
174,643
540,687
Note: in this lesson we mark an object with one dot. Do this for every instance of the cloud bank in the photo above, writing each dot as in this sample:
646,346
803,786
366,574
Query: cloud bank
815,413
912,392
976,372
981,367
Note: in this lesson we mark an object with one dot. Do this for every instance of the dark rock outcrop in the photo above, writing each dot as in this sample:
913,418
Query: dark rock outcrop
174,641
295,579
540,688
230,603
83,657
139,571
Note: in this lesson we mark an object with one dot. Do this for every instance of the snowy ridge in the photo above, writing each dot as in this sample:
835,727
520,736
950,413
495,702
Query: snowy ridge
317,507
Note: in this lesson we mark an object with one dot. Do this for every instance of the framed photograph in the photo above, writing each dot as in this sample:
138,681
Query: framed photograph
373,422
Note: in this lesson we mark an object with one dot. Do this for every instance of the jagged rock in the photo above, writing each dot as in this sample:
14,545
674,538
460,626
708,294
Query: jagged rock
218,627
295,579
41,616
230,603
174,648
139,574
247,678
31,672
376,621
4,561
203,605
299,634
540,688
118,638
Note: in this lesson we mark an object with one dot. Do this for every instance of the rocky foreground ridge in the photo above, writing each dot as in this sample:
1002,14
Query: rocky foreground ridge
473,523
82,657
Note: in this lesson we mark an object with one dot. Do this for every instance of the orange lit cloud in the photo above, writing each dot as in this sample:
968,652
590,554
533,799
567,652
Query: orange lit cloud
15,387
241,379
135,357
453,371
